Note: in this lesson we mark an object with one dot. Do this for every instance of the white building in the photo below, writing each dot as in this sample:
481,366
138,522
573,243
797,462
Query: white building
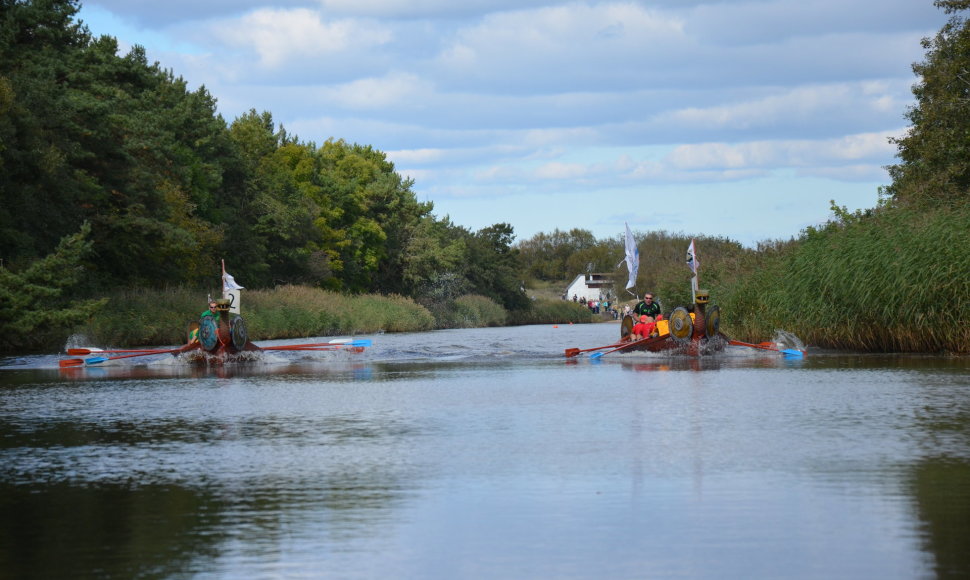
591,287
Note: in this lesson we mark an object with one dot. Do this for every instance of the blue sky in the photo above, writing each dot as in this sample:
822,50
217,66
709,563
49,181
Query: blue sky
724,118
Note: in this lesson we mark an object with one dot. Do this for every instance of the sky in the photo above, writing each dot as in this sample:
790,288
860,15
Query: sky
733,118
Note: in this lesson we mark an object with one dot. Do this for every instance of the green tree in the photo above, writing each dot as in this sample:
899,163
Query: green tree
371,215
34,306
934,168
557,256
493,268
434,260
41,189
110,140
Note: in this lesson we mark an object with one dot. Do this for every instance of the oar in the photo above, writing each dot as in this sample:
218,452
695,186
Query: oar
87,351
337,343
316,348
629,344
73,362
571,352
785,351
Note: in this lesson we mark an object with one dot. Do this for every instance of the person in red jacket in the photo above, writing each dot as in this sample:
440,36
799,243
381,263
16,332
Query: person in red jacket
644,328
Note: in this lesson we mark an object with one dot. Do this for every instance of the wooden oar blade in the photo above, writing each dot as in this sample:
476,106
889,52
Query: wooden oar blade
100,359
79,351
332,345
642,341
792,352
570,352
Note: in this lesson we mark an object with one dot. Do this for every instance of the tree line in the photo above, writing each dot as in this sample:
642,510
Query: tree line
120,156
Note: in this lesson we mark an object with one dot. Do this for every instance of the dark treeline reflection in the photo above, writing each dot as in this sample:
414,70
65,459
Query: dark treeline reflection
942,491
105,531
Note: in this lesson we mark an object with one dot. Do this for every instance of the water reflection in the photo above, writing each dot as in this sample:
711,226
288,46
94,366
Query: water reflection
107,531
939,488
485,463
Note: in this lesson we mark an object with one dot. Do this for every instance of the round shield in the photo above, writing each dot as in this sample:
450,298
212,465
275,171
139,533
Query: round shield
237,328
681,325
626,326
713,321
208,333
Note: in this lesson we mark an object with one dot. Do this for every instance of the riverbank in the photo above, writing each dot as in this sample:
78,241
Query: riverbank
155,317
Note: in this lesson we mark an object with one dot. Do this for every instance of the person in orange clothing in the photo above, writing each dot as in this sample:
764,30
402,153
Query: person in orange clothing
644,328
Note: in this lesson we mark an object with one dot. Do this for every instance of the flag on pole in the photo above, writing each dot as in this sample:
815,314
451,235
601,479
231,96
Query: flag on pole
231,290
692,258
229,283
632,258
693,264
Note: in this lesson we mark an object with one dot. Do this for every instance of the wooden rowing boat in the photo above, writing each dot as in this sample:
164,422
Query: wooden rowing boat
693,332
220,336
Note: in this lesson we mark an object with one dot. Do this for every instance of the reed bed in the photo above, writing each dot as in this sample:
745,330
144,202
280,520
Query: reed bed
898,281
552,311
161,317
471,311
300,311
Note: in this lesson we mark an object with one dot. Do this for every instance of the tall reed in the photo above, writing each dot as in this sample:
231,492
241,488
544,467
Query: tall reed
896,281
546,311
471,311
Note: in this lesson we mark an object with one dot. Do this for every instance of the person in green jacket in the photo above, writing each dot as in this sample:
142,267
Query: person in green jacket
647,307
213,311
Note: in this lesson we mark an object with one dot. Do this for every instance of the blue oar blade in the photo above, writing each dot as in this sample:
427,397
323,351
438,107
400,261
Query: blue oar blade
597,354
793,353
95,360
345,342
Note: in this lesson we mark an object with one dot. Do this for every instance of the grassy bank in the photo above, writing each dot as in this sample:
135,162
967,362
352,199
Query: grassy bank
161,317
152,317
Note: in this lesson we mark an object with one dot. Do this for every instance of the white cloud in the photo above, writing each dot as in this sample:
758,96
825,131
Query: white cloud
558,46
561,171
396,90
280,35
412,9
568,100
874,147
787,105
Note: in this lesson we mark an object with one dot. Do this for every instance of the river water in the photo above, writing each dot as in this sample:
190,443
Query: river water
486,453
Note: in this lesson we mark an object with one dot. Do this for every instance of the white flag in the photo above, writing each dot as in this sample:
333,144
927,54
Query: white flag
632,258
228,283
692,258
